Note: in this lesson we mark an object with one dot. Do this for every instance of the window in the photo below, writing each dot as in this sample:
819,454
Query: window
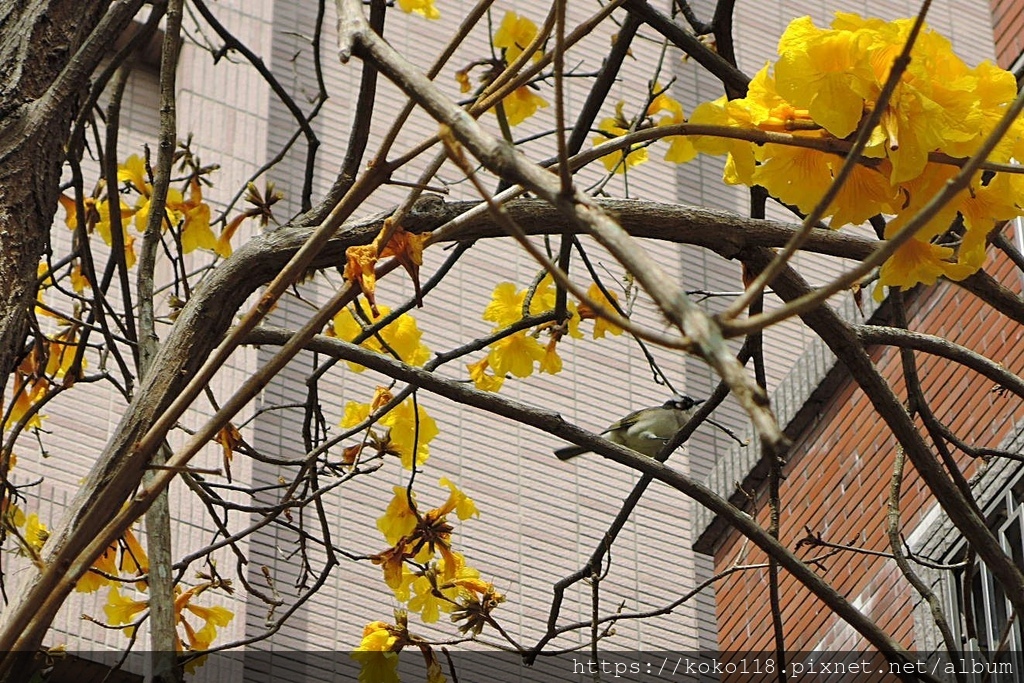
980,614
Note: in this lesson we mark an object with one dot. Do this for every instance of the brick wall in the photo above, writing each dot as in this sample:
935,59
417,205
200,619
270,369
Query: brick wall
838,475
1008,25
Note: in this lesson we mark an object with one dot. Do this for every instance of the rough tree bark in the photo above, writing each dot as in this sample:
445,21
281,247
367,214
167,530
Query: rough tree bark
39,40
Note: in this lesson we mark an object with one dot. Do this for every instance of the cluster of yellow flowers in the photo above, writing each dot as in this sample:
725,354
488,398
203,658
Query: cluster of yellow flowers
821,88
441,583
520,353
515,33
121,609
823,85
409,429
192,215
49,363
126,558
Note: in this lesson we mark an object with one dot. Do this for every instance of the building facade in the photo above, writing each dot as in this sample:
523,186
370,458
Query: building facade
838,475
540,518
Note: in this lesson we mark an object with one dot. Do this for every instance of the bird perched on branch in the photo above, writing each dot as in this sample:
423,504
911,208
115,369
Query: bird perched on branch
645,431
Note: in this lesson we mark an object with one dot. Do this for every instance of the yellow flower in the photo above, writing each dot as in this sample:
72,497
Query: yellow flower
354,414
393,562
995,89
426,602
223,247
515,353
407,248
410,430
574,320
133,172
919,262
212,618
663,102
680,149
216,615
106,563
376,656
551,363
514,34
830,78
401,335
739,167
793,174
482,380
121,609
27,393
399,519
103,219
459,579
172,210
521,104
424,8
61,351
506,305
865,193
601,325
360,265
919,191
78,279
129,251
826,72
196,233
613,127
133,557
71,211
544,296
458,501
404,588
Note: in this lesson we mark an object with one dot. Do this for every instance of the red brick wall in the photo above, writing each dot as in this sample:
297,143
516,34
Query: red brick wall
838,477
1008,26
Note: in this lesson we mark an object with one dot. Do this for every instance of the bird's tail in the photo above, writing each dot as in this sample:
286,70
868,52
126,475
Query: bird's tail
569,452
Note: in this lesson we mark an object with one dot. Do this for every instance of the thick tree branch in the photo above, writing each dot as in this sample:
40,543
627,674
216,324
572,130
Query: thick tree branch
940,346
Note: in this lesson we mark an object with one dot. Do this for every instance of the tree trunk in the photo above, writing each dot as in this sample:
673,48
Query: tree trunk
38,39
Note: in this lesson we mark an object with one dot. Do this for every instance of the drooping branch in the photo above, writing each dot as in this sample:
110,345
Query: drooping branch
940,346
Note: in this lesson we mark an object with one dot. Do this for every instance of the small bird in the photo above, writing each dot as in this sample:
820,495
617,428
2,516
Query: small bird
645,431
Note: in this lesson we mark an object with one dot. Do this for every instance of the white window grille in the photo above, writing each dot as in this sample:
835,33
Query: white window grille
982,617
